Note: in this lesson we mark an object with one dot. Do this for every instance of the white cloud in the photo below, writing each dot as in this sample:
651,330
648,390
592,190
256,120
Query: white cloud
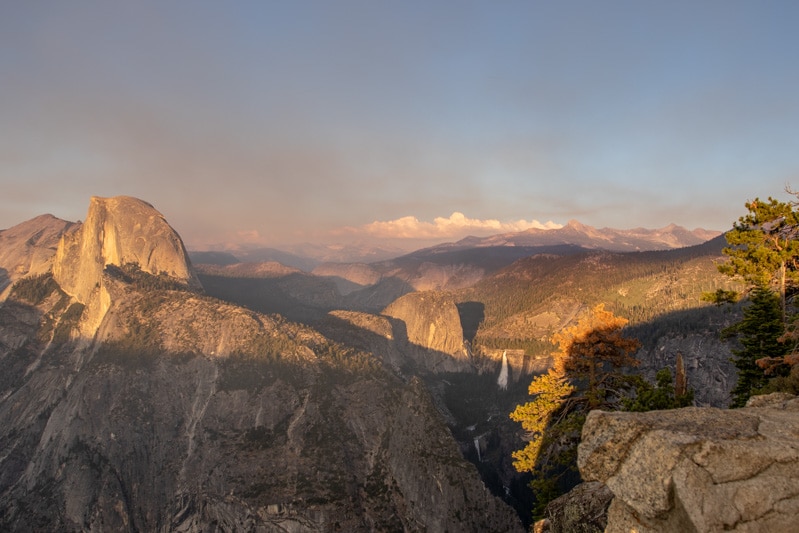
457,225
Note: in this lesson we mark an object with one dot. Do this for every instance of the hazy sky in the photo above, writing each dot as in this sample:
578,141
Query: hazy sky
277,121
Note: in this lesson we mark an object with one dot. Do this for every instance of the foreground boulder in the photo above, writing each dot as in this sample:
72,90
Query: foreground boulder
698,469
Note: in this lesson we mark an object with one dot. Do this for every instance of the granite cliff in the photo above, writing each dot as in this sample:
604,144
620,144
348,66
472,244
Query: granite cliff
118,231
27,249
432,323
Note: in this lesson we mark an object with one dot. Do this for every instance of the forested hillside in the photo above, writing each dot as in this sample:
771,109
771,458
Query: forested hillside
524,304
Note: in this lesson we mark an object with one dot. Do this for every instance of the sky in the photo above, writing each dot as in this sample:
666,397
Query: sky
267,123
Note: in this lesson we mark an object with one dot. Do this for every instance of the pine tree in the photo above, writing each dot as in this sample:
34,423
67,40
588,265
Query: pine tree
759,333
764,253
763,249
666,394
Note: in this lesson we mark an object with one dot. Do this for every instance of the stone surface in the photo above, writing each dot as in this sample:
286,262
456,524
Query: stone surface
432,322
697,469
277,438
707,358
28,248
581,510
378,334
117,231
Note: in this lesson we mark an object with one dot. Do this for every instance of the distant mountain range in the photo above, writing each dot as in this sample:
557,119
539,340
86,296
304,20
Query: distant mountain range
577,234
307,257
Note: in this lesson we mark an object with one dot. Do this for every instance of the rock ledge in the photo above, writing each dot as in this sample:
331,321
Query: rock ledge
698,469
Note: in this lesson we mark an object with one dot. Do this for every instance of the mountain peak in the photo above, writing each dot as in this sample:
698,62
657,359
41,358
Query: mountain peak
576,224
28,248
118,231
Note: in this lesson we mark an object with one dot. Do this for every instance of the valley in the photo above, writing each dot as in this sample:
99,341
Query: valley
504,299
354,396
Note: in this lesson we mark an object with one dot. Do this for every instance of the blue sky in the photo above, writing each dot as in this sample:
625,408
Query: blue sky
276,122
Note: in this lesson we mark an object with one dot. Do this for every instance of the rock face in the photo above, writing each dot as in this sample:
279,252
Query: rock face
377,334
117,231
711,373
697,469
520,365
432,322
28,248
584,509
234,419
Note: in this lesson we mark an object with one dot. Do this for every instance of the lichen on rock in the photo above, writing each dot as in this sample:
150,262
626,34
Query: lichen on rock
697,469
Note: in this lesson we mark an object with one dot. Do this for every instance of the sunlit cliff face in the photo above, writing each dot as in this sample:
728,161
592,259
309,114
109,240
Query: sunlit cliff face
117,231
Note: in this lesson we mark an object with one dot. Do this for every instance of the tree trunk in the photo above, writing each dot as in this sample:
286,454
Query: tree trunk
680,381
782,294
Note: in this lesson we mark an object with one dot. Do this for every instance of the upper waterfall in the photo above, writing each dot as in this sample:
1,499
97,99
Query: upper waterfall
502,380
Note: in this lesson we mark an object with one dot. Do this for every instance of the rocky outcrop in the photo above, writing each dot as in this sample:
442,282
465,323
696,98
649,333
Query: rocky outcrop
432,322
697,469
377,334
27,249
117,231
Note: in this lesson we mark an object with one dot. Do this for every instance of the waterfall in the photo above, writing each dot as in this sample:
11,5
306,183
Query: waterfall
477,447
502,381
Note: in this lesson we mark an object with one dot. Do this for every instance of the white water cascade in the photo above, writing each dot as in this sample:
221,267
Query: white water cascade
477,446
502,380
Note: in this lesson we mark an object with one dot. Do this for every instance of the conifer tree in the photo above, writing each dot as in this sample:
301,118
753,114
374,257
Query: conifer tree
594,350
763,247
586,374
665,394
763,252
759,334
